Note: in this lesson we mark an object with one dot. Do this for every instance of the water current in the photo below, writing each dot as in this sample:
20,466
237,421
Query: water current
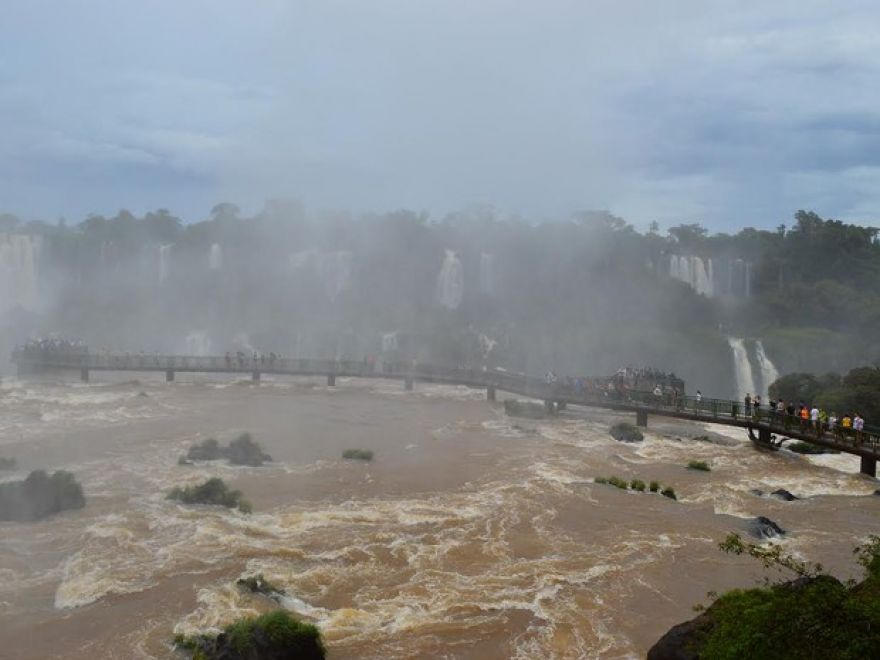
470,535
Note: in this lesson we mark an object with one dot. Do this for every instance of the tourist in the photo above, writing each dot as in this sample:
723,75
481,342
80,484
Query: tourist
748,402
756,407
832,422
805,417
658,393
814,418
699,399
858,427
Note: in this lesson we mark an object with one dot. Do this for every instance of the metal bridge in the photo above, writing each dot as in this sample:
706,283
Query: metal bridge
766,429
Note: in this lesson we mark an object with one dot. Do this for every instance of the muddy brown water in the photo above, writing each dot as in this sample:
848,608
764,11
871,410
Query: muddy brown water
470,535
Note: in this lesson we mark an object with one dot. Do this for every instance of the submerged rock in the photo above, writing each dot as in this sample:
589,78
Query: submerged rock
757,492
40,495
764,528
784,495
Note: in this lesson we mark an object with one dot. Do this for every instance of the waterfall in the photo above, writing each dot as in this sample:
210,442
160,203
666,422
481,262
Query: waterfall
215,257
336,272
198,342
164,253
450,281
695,272
487,273
769,372
19,271
742,368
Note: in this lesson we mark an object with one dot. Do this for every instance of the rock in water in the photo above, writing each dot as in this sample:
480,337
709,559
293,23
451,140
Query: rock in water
764,528
40,495
783,494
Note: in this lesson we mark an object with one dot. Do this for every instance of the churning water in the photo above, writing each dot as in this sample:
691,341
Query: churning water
471,534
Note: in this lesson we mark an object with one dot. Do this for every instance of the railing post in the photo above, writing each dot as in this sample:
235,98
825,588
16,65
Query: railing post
868,466
490,393
642,417
331,380
255,376
408,383
169,376
84,375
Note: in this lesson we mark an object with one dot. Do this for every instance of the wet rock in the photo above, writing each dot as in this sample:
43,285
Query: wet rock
764,528
784,495
241,451
757,492
877,492
257,584
40,495
214,491
682,642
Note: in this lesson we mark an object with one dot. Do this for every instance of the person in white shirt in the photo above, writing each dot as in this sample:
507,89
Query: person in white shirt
814,417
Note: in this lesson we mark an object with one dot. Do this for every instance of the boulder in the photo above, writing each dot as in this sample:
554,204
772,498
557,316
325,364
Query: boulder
764,528
625,432
784,495
527,409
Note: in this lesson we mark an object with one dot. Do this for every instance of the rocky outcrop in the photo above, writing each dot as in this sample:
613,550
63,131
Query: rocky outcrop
214,492
764,528
782,494
527,409
40,495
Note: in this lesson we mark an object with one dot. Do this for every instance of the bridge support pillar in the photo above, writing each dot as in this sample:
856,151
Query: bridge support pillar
408,384
764,436
331,380
255,376
84,375
642,418
169,376
869,466
490,393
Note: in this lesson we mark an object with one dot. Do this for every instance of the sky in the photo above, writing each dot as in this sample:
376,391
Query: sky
730,114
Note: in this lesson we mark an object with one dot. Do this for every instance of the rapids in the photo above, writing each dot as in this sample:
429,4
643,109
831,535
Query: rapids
470,534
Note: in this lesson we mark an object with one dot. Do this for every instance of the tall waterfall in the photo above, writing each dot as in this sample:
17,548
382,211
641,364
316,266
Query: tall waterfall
742,368
695,272
19,271
769,372
487,273
215,257
164,254
450,281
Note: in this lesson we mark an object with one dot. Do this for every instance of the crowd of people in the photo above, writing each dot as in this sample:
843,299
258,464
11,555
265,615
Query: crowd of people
51,346
807,417
627,382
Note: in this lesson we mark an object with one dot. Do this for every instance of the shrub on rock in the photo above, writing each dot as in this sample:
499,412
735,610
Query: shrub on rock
40,495
702,466
273,636
214,492
244,451
626,432
358,454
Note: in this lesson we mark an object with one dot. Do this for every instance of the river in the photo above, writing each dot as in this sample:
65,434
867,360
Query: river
470,535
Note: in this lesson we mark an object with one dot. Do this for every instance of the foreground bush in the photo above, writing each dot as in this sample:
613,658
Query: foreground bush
273,636
637,484
358,454
241,451
214,491
626,432
654,486
40,495
812,616
669,492
702,466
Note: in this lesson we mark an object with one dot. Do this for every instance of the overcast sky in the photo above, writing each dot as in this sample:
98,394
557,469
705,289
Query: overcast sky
725,113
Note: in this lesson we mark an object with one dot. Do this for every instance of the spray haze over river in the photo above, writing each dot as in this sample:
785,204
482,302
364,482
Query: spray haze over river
471,534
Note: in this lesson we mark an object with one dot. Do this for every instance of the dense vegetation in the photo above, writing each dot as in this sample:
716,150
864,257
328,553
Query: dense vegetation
40,495
581,296
856,392
813,616
273,636
214,491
